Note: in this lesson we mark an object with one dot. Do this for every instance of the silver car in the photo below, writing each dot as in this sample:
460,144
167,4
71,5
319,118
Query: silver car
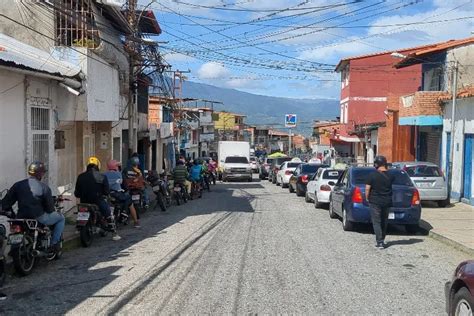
429,180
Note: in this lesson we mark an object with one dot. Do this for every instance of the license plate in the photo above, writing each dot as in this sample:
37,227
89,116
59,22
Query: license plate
156,188
136,197
424,185
83,216
15,239
177,189
391,215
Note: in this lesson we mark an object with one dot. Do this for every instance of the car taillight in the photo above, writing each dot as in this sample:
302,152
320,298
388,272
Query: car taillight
288,172
304,179
325,187
15,228
415,200
357,196
83,209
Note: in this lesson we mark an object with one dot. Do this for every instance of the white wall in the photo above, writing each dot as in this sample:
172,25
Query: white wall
12,130
464,124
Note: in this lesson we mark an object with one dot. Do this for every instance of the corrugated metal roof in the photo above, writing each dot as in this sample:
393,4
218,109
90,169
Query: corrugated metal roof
25,56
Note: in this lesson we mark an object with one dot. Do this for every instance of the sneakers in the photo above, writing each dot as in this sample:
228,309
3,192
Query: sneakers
116,237
3,296
380,245
137,225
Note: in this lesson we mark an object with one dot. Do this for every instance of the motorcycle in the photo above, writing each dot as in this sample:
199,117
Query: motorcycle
119,209
160,189
90,221
137,200
179,193
4,232
207,181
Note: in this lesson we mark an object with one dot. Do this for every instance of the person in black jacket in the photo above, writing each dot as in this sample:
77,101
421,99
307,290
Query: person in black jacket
35,201
92,187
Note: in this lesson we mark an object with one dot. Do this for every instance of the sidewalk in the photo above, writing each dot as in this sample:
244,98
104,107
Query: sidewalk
453,225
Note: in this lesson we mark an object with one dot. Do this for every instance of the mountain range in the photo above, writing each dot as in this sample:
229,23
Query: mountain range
264,110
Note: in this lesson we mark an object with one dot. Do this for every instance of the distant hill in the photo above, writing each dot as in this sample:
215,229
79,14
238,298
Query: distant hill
262,109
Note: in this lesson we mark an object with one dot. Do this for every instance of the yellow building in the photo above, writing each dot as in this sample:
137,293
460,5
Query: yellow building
229,125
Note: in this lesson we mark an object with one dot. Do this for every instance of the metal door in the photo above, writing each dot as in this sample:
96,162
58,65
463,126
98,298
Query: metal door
467,182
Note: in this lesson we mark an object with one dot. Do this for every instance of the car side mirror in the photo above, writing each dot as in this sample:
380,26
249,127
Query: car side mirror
331,183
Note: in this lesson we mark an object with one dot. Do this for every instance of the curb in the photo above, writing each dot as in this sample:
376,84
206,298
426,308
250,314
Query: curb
427,229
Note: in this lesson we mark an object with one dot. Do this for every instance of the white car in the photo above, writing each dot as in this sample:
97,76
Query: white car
254,164
320,187
286,171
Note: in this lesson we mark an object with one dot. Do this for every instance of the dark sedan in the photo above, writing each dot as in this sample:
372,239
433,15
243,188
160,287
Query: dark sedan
460,290
302,175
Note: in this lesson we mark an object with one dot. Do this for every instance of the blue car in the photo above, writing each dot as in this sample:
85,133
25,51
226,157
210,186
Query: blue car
348,199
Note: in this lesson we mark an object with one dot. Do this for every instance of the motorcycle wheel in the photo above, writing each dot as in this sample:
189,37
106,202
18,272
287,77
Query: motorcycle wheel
57,255
86,235
23,259
2,271
161,202
177,198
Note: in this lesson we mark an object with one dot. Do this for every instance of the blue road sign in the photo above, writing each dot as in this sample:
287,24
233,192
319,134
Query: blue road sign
290,120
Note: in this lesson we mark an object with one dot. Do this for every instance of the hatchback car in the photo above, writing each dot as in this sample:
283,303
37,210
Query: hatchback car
460,290
285,172
301,176
348,199
264,168
275,167
428,179
320,187
254,164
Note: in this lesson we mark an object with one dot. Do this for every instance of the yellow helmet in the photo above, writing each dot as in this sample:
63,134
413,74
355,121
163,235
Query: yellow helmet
93,161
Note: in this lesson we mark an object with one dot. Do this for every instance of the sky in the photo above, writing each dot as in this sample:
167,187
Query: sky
289,48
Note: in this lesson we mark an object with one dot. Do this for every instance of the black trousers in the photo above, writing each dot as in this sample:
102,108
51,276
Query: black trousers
379,215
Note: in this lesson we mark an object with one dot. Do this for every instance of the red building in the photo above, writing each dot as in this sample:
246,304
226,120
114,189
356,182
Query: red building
370,90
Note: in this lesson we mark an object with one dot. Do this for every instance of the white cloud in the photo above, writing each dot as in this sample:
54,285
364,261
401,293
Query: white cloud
178,57
213,70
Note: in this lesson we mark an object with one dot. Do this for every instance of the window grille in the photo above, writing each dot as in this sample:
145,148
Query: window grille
40,132
75,24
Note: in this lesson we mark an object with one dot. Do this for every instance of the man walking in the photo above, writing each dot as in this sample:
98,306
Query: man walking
378,192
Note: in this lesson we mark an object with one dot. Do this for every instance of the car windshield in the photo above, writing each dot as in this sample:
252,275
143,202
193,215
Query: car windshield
310,168
269,160
293,164
236,160
423,171
252,160
401,177
332,174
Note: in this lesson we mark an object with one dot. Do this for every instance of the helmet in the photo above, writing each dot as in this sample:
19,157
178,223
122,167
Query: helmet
380,161
179,163
93,161
36,169
113,165
134,161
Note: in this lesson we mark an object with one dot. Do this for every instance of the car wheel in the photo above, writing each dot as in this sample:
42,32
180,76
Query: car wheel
298,191
332,214
307,199
290,188
274,179
316,203
444,203
347,225
463,303
412,229
277,183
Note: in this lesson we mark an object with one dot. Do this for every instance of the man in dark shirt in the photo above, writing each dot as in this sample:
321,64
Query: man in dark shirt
378,192
35,201
92,187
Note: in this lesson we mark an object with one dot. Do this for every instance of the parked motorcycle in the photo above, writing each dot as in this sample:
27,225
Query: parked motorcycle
159,186
90,221
4,232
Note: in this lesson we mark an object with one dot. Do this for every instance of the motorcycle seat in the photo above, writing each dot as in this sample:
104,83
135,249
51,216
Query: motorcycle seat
91,207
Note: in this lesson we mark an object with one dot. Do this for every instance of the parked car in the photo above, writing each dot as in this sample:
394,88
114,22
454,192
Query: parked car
275,167
348,199
460,290
264,168
320,187
429,180
301,176
254,164
286,171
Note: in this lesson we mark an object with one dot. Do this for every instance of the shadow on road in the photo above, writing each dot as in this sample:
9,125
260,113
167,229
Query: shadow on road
404,242
61,286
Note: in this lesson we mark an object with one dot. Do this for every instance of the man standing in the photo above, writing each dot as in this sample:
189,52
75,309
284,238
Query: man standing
378,192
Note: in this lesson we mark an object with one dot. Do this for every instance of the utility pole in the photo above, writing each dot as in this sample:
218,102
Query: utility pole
454,88
132,100
289,142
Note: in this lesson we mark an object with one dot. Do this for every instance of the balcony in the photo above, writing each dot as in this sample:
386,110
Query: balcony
166,130
422,108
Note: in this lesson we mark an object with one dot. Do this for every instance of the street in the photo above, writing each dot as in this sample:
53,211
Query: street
243,248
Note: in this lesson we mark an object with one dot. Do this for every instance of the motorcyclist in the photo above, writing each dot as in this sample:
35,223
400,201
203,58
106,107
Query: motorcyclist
35,201
114,177
180,175
92,187
134,179
212,167
196,172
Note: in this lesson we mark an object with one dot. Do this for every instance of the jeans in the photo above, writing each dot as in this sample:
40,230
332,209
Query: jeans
123,197
56,219
379,215
104,208
146,197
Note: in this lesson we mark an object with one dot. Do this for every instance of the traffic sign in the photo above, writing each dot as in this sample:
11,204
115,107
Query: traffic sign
290,120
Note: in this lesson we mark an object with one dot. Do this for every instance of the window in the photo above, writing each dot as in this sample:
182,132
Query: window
332,174
236,160
423,171
75,24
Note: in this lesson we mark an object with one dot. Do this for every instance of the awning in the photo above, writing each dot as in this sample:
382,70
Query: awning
421,120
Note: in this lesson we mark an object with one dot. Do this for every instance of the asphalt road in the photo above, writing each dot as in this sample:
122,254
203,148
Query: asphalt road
243,248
